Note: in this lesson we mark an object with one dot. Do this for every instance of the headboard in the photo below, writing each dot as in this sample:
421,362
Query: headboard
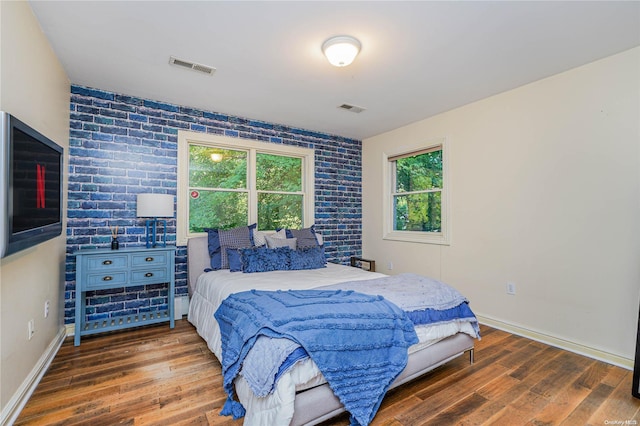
197,260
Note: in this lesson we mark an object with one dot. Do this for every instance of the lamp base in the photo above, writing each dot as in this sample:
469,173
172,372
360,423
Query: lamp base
152,233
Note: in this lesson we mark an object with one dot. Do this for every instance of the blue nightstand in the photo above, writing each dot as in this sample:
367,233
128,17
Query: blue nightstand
100,269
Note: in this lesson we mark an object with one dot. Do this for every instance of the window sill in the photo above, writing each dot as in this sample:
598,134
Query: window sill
418,237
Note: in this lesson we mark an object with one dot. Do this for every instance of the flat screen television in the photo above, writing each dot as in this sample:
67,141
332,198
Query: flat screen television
30,186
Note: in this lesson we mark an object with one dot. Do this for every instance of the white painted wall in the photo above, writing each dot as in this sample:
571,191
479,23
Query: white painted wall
545,192
35,88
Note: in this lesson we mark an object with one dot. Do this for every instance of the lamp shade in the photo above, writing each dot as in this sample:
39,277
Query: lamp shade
155,205
341,50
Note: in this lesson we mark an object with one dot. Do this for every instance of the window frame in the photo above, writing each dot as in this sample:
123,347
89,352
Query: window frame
187,138
389,233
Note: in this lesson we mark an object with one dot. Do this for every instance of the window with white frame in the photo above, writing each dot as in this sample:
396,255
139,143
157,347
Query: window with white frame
226,182
416,195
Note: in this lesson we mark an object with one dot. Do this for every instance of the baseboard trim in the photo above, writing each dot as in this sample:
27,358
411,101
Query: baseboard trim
558,342
17,402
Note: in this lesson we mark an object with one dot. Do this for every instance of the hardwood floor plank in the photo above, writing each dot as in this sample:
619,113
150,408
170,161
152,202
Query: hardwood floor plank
620,406
158,376
569,368
594,374
561,405
446,396
521,410
390,409
452,414
588,406
504,392
523,354
615,376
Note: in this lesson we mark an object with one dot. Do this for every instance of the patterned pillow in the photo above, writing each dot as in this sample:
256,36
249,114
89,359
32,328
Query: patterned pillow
263,259
281,242
308,258
220,240
306,236
258,238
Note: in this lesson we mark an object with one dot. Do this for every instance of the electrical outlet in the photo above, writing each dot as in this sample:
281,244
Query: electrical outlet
511,288
389,265
31,325
46,308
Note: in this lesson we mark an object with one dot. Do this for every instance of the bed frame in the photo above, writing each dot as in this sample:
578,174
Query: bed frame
318,404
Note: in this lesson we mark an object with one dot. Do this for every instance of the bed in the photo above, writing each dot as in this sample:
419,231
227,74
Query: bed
301,395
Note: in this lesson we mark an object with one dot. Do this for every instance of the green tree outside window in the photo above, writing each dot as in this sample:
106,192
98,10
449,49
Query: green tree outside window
417,195
219,192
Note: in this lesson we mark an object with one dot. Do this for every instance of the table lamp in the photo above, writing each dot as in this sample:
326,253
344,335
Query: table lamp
155,206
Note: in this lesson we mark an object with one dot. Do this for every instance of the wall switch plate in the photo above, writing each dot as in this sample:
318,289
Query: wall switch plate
511,288
47,304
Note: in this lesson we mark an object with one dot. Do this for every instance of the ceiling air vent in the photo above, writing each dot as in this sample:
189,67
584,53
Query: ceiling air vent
351,108
192,66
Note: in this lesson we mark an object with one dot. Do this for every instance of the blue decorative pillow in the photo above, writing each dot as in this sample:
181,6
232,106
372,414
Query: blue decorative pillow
220,239
306,236
235,259
308,258
263,259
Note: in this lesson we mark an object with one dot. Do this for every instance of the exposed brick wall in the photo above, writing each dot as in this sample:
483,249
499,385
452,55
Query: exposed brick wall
121,146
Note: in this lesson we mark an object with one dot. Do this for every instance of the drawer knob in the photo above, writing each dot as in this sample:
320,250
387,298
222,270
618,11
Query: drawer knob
107,262
149,259
107,278
148,274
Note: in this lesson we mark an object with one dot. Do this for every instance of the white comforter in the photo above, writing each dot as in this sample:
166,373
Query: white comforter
213,287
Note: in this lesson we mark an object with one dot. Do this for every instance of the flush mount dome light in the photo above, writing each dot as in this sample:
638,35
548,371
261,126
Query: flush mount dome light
341,50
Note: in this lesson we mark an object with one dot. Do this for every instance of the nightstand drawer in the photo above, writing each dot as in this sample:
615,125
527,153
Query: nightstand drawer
106,280
148,259
106,262
156,275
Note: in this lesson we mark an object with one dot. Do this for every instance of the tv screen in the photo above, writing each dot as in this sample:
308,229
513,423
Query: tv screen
31,186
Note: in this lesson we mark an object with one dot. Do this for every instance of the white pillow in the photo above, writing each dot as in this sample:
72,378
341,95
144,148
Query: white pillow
274,242
280,234
259,237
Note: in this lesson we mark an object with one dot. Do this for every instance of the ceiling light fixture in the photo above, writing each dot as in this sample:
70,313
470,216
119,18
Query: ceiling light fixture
341,50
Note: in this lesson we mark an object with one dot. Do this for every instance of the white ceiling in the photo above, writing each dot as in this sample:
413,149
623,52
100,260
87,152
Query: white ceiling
418,58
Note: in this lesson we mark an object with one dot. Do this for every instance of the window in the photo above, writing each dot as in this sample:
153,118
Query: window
226,182
416,195
279,189
218,190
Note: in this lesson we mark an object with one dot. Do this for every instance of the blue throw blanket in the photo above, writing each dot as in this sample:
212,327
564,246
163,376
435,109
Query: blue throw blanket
358,341
425,300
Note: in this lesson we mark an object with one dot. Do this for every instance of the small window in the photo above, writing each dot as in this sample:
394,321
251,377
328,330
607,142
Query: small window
416,196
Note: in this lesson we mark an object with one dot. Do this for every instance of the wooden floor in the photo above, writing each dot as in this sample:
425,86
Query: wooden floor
155,375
